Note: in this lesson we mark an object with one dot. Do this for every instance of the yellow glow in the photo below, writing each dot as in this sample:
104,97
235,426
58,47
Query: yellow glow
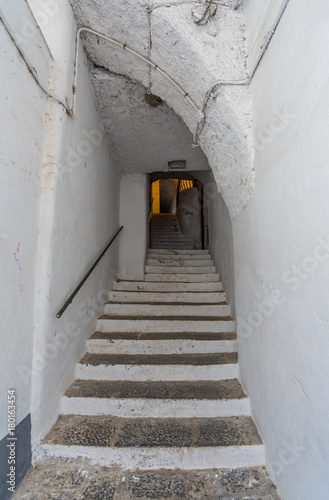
156,197
185,185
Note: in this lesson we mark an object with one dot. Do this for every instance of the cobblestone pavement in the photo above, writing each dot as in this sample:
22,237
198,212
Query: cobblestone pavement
79,479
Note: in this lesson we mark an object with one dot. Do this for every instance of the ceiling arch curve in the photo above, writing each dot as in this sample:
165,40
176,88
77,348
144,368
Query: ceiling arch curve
168,35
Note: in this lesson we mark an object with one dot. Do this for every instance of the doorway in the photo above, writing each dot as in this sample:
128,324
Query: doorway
176,211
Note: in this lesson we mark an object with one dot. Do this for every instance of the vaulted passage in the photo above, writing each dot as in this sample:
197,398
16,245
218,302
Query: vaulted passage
164,249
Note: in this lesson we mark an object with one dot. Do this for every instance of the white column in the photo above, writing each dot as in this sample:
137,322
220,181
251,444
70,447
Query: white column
133,218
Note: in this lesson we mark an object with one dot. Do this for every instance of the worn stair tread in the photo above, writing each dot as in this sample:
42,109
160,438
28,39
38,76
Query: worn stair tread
64,479
167,318
181,277
167,287
159,359
179,264
173,251
182,298
163,336
152,254
200,390
107,431
180,270
165,310
176,303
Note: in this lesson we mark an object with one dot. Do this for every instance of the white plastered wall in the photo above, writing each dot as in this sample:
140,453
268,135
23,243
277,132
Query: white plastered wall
66,214
21,140
220,234
134,209
281,243
189,214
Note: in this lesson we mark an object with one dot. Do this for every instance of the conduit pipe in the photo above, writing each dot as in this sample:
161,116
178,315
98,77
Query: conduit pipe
201,112
132,51
30,67
245,81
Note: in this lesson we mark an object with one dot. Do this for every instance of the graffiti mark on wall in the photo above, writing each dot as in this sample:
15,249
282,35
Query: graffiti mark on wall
19,267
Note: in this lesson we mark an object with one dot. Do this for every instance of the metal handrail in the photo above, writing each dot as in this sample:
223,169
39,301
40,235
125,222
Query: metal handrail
73,294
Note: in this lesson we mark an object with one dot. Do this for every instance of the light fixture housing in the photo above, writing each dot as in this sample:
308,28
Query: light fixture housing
177,165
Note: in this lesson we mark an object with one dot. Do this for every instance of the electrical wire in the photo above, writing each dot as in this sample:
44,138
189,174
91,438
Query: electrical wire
31,68
245,81
130,50
185,2
205,12
149,90
151,64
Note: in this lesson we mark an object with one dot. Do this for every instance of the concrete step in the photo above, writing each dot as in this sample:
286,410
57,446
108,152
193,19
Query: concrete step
80,479
178,258
171,367
160,346
181,247
178,252
165,230
163,310
168,237
192,336
169,324
165,221
179,262
171,238
186,269
168,297
157,217
214,286
173,243
148,443
182,277
156,399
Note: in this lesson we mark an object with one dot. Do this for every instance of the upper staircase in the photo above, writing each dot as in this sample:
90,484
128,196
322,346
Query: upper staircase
166,233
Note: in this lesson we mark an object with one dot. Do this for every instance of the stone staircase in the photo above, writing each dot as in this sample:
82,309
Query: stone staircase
166,233
158,387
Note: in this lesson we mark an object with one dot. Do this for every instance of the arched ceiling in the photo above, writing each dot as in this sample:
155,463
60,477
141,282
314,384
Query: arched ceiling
194,59
144,138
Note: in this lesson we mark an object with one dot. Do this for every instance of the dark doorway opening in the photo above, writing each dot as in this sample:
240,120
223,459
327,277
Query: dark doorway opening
176,211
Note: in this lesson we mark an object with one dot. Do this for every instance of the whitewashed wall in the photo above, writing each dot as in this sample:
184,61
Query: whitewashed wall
21,144
189,215
79,214
281,243
62,210
134,209
220,234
